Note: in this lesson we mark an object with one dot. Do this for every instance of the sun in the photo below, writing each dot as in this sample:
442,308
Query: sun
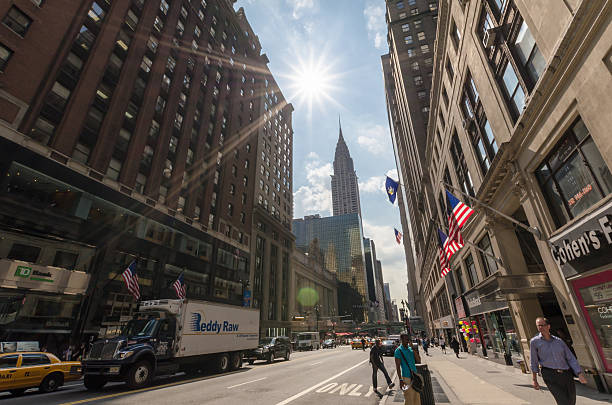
312,81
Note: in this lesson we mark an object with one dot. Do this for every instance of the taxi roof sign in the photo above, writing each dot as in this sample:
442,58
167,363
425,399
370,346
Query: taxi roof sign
6,347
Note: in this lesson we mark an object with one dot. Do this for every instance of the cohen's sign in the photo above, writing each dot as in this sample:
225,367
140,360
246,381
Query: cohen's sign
585,246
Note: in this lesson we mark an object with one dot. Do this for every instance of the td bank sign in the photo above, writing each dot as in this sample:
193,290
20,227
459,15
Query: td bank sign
34,275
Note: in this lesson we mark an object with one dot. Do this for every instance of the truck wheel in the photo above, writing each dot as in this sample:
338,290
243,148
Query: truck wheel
139,374
222,364
235,361
52,382
94,382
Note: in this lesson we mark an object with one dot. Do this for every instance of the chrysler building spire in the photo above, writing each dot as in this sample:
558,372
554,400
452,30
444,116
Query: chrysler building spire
345,190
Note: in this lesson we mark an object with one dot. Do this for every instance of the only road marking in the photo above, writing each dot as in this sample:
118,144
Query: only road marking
248,382
314,387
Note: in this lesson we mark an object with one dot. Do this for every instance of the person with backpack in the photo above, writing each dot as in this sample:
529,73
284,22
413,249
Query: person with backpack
405,365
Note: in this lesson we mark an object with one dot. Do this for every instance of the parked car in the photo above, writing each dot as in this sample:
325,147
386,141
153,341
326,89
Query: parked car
329,343
24,370
388,347
270,348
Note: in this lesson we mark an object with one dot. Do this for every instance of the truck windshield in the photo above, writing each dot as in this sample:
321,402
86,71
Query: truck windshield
141,327
305,337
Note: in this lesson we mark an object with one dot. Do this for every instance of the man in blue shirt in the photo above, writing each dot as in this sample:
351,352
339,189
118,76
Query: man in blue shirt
405,365
558,364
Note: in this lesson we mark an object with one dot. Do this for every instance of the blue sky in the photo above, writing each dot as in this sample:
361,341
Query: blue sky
345,38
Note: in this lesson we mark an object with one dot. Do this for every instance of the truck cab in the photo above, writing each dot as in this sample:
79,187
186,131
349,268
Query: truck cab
148,339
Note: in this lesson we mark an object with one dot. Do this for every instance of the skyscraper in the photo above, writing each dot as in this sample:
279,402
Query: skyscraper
345,190
341,242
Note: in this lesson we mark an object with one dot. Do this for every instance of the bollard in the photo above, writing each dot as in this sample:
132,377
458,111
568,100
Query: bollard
427,395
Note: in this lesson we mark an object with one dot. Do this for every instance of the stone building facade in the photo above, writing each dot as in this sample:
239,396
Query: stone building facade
520,121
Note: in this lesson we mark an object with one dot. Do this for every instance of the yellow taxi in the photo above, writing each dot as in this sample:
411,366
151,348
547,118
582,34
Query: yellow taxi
23,370
356,344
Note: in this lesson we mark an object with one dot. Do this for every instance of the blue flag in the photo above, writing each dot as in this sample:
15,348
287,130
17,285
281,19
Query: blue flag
391,187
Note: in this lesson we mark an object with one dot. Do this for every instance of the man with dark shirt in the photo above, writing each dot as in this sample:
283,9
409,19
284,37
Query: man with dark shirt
378,364
558,364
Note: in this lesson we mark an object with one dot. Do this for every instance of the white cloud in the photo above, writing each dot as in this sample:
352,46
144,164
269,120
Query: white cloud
393,174
376,25
312,155
391,255
375,138
374,184
300,7
315,197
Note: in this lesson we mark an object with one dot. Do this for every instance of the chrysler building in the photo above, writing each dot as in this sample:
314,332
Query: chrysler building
345,190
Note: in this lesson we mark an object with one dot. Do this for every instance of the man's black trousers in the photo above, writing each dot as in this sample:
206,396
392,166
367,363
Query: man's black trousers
375,368
560,385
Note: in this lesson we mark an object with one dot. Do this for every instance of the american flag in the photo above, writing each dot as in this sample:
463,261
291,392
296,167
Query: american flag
444,264
454,233
461,211
179,287
398,236
131,280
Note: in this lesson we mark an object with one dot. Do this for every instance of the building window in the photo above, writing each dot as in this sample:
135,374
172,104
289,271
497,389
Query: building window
424,49
399,5
463,174
230,209
405,27
408,39
477,125
415,66
471,270
5,56
455,34
411,52
489,264
513,89
528,54
421,36
418,80
17,21
574,176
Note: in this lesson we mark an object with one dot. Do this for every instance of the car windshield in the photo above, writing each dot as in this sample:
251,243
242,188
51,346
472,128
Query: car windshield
141,326
388,342
266,341
328,341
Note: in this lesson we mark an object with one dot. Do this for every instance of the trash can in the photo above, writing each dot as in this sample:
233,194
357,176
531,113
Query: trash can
427,395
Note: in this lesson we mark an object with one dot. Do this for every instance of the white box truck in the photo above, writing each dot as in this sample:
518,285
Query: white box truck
167,336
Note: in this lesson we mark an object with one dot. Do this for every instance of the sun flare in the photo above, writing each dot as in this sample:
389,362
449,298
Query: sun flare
312,82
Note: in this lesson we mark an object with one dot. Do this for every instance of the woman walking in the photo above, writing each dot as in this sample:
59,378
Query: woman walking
454,344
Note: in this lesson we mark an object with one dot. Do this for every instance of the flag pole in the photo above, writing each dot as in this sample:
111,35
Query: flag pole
497,259
533,230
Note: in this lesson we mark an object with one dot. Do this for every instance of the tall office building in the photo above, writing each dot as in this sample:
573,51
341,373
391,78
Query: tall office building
375,282
340,240
407,70
138,130
345,188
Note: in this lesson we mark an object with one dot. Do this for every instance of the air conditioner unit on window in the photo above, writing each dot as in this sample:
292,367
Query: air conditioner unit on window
490,35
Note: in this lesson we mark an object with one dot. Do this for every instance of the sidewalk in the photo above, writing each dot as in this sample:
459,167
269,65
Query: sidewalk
473,380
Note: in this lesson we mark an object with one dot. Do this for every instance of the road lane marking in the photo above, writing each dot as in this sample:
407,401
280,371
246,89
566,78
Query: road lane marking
318,362
120,394
248,382
314,387
384,400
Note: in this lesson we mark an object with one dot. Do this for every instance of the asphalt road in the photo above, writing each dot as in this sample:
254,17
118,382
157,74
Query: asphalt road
329,376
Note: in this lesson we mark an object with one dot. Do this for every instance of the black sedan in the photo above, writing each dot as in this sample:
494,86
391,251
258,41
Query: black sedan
388,347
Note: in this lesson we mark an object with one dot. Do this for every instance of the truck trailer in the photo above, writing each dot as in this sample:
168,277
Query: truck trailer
168,336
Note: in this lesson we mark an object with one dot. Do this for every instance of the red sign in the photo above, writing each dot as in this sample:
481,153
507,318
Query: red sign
459,307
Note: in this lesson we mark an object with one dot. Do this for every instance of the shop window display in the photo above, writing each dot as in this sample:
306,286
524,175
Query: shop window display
595,297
